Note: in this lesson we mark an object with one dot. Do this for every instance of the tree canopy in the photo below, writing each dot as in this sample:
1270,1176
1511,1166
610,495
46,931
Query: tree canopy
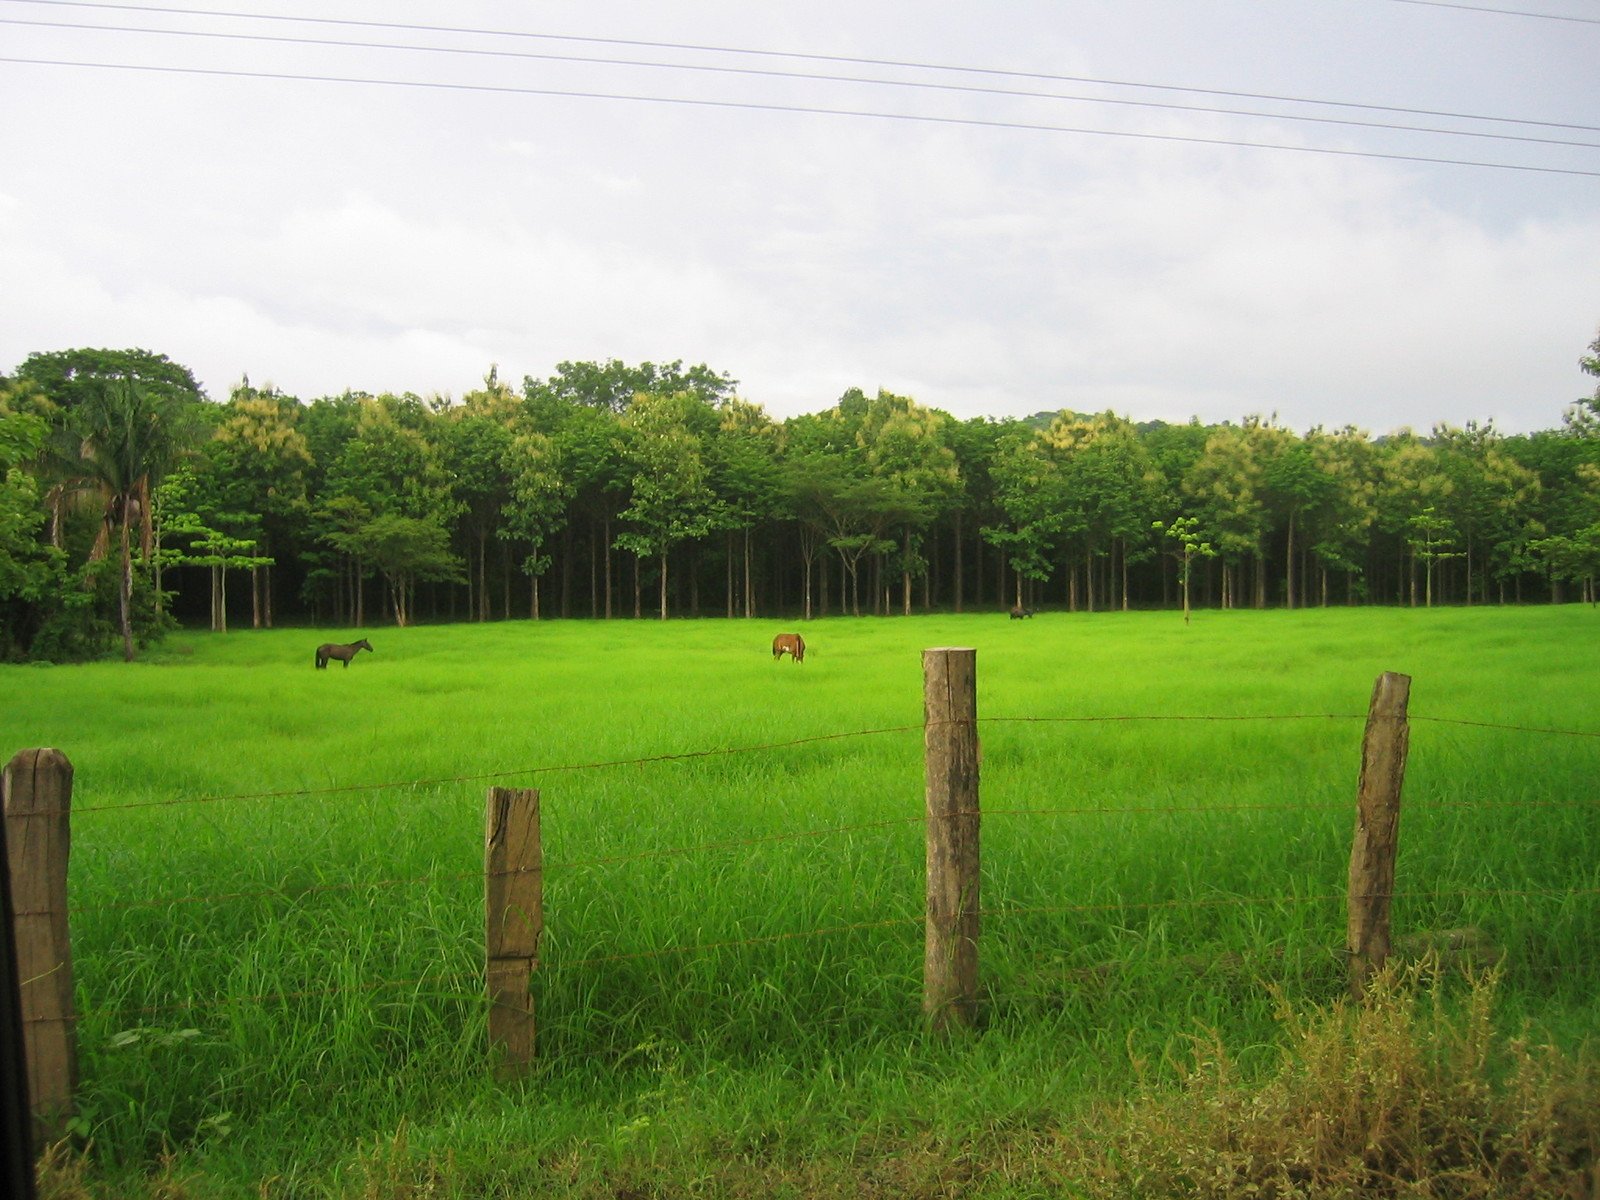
607,481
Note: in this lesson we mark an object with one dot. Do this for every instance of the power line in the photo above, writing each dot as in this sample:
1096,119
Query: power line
700,48
812,76
1503,12
752,106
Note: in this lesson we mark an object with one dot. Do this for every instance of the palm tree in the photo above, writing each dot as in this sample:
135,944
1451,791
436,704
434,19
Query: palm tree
131,436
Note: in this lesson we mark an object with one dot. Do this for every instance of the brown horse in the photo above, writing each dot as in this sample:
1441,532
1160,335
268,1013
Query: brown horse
792,644
343,653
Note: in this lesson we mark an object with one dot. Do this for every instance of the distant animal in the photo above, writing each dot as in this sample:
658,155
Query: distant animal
1018,612
789,643
343,653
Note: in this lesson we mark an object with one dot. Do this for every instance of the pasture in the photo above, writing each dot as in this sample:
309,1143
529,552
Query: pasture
277,900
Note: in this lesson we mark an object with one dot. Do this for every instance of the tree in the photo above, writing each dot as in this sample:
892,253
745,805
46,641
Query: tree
1339,519
536,499
974,444
588,439
1431,536
671,498
1413,485
406,550
72,377
743,458
1490,497
1584,417
1225,488
1183,530
905,444
1294,485
1572,559
258,461
388,466
1111,486
611,386
337,523
131,437
476,442
32,572
1031,491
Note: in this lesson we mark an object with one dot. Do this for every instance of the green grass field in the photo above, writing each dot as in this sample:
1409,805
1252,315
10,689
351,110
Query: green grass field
278,905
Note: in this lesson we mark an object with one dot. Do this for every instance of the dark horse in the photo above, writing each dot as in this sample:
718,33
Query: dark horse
343,653
792,644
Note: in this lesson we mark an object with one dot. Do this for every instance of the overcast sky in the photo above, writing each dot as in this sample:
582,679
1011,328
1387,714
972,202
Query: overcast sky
1103,242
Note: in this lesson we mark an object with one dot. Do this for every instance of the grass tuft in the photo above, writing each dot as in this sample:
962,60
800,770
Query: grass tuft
1411,1093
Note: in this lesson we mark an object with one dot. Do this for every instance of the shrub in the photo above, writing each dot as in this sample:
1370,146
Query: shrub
1411,1093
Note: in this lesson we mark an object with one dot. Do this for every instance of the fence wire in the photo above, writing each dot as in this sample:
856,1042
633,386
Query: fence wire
766,747
471,985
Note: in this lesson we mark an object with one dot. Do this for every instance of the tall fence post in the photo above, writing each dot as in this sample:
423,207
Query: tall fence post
1372,854
37,789
514,912
950,750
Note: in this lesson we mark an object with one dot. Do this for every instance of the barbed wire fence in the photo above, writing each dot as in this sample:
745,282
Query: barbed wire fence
37,805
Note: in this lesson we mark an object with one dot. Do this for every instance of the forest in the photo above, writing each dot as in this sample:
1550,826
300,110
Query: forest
131,501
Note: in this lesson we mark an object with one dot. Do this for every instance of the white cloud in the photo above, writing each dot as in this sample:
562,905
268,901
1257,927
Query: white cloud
397,239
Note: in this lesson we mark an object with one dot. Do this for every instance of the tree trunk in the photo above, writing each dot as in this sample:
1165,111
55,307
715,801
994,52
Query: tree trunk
125,590
807,587
566,570
957,597
749,596
608,565
483,575
594,573
905,577
663,585
1289,572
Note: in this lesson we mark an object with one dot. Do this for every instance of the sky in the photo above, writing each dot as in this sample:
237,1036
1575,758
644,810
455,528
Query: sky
1378,213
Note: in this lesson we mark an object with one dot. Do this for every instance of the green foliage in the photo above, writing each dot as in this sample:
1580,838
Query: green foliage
1185,531
72,378
1584,417
666,464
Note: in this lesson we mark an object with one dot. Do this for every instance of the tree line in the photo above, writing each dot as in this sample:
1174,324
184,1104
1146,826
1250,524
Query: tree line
130,500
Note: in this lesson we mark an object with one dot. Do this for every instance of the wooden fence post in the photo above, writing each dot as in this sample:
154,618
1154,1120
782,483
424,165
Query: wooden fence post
514,911
38,802
1372,854
950,750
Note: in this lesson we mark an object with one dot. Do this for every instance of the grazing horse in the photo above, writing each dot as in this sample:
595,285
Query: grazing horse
1018,612
792,644
343,653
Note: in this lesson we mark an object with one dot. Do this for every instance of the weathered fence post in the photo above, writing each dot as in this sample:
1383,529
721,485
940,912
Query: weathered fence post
1372,854
514,911
950,749
38,801
16,1114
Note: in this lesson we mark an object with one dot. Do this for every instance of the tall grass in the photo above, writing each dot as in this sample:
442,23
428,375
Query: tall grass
277,907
